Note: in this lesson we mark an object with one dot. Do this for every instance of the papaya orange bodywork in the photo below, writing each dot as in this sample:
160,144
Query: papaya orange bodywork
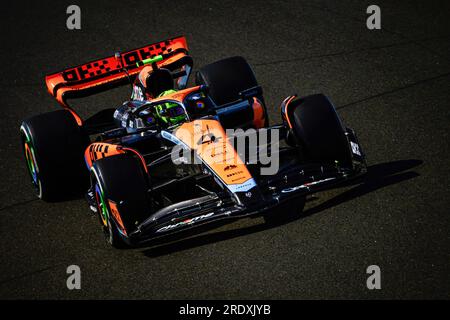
116,215
208,139
178,95
100,150
258,114
286,103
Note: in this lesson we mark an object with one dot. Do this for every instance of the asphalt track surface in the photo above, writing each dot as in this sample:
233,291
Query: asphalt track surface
390,85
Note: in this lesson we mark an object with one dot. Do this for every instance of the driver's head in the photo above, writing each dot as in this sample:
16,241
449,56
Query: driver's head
170,113
156,80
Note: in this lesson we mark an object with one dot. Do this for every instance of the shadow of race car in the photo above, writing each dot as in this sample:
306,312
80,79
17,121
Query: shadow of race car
146,178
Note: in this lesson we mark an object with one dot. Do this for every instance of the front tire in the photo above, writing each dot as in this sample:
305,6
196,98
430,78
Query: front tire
319,130
121,191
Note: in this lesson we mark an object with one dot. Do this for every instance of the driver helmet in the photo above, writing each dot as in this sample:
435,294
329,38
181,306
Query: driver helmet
170,113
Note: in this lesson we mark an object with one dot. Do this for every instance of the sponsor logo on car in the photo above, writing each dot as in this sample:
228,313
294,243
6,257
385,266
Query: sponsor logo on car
231,166
355,148
306,185
185,222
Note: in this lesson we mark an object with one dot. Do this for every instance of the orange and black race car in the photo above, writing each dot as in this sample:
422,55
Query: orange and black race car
169,158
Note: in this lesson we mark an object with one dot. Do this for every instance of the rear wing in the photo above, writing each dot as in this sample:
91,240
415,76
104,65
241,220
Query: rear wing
117,70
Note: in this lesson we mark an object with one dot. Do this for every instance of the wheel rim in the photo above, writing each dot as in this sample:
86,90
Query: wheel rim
101,206
33,170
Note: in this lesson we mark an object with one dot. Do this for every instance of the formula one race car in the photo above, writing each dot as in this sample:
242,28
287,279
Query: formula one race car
167,160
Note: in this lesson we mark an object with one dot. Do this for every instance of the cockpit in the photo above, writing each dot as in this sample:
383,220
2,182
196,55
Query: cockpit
167,111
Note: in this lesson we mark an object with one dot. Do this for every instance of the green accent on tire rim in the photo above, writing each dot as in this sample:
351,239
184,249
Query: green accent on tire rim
31,163
102,205
30,159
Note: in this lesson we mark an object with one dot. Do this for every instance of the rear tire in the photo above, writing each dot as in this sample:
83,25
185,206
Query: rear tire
54,146
318,130
121,180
